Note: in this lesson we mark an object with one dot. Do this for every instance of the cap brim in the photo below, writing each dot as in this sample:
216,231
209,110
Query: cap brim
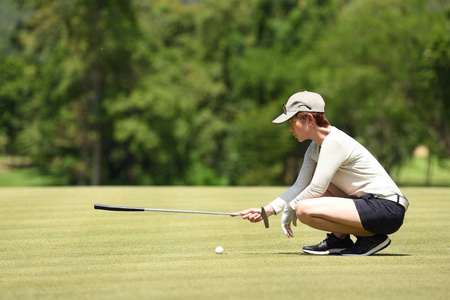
283,118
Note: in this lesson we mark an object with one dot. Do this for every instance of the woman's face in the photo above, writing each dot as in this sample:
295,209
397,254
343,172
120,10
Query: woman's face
298,127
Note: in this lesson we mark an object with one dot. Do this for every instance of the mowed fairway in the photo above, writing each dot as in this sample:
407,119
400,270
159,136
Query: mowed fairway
54,245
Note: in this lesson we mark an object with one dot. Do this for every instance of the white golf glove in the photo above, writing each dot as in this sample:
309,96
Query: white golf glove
287,218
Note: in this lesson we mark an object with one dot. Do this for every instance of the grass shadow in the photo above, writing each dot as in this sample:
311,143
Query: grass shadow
306,254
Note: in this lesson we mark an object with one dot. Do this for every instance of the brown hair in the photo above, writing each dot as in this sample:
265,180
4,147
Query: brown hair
321,120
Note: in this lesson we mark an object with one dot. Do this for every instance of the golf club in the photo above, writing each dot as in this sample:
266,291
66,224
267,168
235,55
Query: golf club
124,208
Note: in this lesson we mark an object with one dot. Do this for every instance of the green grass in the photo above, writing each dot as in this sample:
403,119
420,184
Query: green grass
412,174
56,246
23,175
415,173
26,177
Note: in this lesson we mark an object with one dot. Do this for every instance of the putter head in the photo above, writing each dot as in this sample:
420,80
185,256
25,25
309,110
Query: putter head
264,216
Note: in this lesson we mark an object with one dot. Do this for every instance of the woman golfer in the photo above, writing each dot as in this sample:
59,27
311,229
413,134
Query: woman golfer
341,187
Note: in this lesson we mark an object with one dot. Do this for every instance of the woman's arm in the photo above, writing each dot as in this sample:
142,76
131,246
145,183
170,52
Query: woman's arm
332,155
302,181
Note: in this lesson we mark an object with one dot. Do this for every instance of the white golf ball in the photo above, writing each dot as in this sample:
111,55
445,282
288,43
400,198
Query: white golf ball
219,250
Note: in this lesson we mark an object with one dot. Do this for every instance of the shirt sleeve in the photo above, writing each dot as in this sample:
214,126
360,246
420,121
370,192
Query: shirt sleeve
332,155
302,181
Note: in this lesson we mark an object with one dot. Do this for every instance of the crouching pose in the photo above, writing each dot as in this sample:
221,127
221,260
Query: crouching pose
341,188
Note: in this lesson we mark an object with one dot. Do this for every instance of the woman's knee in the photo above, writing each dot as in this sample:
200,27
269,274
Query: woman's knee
303,212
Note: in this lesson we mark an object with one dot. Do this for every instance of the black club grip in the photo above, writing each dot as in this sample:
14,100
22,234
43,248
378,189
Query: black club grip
117,208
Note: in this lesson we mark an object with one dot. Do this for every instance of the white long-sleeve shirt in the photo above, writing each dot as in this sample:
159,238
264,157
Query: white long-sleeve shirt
342,161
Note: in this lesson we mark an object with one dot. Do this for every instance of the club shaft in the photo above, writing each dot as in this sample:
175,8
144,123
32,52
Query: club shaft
124,208
192,212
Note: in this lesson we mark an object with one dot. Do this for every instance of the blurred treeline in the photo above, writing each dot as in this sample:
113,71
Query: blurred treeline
183,92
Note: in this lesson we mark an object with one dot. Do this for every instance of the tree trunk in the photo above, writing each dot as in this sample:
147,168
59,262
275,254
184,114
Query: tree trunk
96,178
429,170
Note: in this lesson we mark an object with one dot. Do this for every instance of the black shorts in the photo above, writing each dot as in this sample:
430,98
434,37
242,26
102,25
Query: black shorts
379,216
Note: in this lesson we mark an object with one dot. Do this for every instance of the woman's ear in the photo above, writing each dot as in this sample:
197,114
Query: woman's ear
310,120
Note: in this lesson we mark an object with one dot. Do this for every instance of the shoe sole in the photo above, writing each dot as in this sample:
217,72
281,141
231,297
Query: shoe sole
380,247
328,252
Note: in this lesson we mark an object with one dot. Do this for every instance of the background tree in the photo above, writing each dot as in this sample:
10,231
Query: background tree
366,66
430,94
84,52
183,92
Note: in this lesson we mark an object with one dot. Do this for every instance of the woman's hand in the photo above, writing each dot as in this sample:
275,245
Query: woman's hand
254,214
287,218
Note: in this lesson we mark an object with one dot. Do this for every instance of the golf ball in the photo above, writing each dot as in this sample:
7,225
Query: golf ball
219,250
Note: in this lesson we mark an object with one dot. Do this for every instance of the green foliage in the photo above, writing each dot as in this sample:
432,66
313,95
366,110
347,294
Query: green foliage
258,149
432,92
84,53
167,92
14,91
370,60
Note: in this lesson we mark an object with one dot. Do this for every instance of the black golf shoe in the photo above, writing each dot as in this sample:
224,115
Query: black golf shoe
331,245
368,245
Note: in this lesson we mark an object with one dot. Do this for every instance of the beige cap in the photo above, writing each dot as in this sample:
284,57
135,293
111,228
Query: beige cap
301,102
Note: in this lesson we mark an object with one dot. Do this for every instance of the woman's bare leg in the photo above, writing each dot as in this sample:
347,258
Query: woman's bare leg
332,214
